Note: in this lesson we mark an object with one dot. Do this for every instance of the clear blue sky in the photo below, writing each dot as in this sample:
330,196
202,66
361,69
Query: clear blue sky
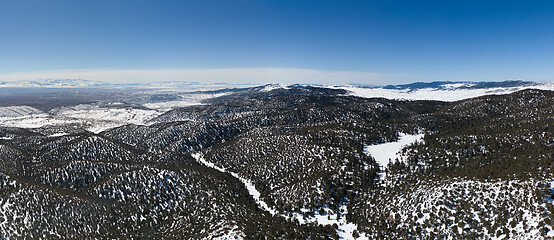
400,41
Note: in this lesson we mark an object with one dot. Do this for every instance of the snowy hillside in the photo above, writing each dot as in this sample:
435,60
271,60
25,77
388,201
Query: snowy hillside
18,111
100,116
444,91
279,162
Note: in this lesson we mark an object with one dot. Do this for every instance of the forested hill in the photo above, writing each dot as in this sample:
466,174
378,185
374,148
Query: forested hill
274,163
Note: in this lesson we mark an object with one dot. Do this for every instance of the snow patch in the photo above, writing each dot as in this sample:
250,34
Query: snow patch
386,152
170,105
58,134
271,87
345,229
186,101
457,85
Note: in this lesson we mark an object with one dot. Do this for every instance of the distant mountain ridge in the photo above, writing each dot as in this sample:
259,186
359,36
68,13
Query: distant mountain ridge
439,90
83,83
54,83
450,85
439,85
444,90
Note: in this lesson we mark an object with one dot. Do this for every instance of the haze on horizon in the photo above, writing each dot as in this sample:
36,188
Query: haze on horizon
286,41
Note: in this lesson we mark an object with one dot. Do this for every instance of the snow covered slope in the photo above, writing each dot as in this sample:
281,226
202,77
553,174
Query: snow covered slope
100,116
92,118
278,162
18,111
444,91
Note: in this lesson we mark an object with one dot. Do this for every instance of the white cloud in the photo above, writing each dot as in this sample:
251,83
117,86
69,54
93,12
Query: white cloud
215,75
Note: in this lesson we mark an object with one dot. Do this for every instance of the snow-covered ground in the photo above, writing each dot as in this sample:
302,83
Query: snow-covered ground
345,229
270,87
6,211
94,117
59,134
97,118
185,101
428,201
386,152
4,215
32,121
450,93
101,119
18,111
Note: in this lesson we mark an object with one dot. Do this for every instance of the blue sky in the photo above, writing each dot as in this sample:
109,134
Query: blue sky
319,41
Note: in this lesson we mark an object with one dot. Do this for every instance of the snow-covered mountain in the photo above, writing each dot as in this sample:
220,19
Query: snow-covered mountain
445,91
280,162
450,85
412,90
